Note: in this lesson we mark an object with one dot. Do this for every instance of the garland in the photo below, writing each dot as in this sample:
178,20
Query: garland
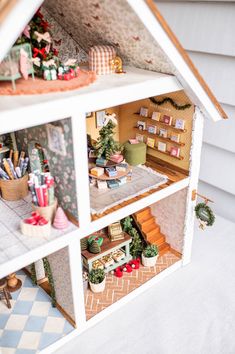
208,219
171,101
49,276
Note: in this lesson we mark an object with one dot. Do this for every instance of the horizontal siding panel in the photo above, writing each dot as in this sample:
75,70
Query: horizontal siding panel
202,27
218,168
219,73
221,134
223,202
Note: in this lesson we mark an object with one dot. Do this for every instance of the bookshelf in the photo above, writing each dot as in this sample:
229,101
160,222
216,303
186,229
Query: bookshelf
146,133
166,153
162,124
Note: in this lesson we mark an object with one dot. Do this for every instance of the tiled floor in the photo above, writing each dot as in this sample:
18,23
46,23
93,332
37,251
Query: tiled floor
32,323
12,242
116,288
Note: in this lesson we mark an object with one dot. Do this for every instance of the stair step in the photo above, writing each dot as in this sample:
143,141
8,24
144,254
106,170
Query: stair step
143,213
163,248
149,219
155,237
150,227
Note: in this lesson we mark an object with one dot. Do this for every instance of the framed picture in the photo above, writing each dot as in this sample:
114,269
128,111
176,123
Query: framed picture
100,118
150,142
180,124
175,137
175,151
56,141
161,146
152,129
141,125
156,116
167,119
144,112
139,137
163,133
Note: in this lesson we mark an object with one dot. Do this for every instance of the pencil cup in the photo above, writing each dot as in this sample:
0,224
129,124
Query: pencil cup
48,212
14,189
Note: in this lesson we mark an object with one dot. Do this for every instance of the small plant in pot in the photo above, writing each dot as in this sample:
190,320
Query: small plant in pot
149,256
97,279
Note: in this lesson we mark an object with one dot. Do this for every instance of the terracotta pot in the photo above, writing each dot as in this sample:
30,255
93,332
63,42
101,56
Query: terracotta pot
98,288
149,261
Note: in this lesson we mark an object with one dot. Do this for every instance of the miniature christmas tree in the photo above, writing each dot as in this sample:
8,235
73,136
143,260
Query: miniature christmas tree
61,220
106,146
94,247
37,34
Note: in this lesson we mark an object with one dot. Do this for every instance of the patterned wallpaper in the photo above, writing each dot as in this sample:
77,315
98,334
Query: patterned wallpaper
59,262
61,167
170,215
91,22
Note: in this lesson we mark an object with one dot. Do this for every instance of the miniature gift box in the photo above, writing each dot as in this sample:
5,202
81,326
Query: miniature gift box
101,162
115,231
111,172
97,171
97,265
112,184
117,158
100,59
107,260
122,167
121,181
118,255
102,185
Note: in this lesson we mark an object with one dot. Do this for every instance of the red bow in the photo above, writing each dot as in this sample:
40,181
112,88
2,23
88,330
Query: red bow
36,219
39,14
37,51
45,25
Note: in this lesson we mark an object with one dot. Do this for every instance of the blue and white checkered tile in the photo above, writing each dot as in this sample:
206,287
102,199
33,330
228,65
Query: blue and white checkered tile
32,323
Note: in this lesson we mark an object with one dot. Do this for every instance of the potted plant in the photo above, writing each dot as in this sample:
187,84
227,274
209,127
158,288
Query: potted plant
149,256
97,280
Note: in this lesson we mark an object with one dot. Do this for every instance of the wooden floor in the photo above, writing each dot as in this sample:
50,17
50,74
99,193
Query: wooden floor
161,167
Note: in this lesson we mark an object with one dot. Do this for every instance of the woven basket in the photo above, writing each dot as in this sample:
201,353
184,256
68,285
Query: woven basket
14,189
47,212
35,230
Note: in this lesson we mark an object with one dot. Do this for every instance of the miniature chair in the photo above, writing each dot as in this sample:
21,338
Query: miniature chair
4,293
135,154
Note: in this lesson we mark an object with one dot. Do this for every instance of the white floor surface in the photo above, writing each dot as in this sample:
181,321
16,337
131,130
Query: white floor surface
190,312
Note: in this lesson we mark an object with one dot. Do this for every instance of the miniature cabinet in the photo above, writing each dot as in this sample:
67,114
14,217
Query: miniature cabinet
158,99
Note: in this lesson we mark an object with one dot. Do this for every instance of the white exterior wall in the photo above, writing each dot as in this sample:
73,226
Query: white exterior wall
206,30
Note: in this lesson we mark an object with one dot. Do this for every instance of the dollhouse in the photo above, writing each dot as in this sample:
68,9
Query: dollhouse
99,163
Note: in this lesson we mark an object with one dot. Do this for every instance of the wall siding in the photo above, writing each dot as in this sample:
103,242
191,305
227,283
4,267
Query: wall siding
205,30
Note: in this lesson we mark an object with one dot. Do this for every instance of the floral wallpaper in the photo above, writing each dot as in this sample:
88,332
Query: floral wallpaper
91,22
61,167
170,215
59,262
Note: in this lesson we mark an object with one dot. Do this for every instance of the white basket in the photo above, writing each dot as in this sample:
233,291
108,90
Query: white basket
35,230
98,288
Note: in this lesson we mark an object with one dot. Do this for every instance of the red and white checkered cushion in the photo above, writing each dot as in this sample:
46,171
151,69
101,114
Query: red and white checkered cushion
99,59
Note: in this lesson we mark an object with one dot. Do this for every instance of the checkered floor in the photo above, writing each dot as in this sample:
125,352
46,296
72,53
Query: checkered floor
32,323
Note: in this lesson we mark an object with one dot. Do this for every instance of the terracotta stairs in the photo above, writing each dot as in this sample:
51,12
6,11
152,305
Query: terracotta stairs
150,230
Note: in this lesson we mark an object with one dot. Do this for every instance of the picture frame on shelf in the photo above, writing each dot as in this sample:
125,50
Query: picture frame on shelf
175,137
167,119
156,116
140,138
152,129
100,118
144,111
56,141
161,146
180,123
163,133
150,142
175,151
141,125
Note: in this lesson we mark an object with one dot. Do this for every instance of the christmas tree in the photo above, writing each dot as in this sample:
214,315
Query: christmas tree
106,146
38,35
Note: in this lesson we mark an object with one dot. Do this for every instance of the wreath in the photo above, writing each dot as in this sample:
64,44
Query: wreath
205,214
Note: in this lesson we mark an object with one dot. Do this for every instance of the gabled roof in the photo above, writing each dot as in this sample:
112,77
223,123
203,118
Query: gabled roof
140,35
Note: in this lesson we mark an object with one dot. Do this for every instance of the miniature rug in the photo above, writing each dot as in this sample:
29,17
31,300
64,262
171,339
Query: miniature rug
37,86
143,180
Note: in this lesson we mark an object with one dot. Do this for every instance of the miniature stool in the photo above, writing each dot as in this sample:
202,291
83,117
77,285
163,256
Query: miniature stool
135,154
4,293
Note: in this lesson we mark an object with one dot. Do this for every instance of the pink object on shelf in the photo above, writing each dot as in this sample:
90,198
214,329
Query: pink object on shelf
133,141
61,220
117,158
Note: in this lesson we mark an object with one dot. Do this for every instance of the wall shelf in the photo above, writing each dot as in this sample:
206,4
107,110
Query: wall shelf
163,124
166,153
145,132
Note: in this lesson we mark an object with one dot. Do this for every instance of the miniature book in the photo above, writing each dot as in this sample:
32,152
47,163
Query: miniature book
175,137
97,171
175,151
180,123
161,146
144,111
152,129
163,133
140,138
156,116
150,142
167,119
141,125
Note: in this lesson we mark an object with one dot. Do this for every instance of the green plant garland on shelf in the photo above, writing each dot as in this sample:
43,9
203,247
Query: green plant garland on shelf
49,276
205,214
171,101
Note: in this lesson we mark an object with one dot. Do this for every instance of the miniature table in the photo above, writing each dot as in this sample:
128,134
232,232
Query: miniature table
106,248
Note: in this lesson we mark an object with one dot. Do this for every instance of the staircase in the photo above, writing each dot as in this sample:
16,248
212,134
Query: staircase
150,230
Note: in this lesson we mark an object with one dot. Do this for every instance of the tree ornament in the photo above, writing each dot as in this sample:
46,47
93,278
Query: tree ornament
205,215
61,220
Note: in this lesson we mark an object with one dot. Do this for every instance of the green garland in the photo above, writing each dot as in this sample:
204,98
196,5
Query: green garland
49,276
171,101
209,221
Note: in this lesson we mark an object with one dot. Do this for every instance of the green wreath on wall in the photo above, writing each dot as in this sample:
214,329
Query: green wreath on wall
171,101
205,215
